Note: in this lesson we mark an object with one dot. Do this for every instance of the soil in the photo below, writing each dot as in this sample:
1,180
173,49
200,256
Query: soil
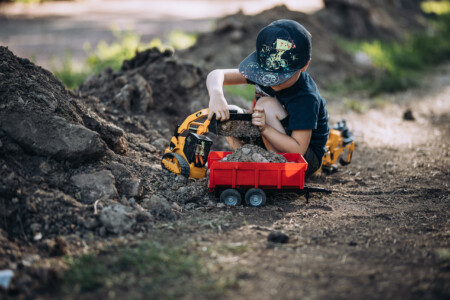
253,153
238,128
80,171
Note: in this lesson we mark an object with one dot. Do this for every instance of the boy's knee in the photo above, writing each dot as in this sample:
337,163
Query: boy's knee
272,107
267,103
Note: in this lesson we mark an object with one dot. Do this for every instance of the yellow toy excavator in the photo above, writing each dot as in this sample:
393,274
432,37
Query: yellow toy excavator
189,149
340,140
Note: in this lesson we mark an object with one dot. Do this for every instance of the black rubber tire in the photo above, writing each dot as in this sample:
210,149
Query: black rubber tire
182,163
255,197
231,197
343,162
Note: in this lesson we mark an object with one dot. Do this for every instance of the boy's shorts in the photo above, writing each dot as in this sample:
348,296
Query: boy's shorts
314,162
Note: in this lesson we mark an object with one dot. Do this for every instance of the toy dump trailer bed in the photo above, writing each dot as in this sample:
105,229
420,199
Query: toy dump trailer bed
231,179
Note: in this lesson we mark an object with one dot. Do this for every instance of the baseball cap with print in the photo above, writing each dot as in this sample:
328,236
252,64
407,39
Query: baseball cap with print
282,48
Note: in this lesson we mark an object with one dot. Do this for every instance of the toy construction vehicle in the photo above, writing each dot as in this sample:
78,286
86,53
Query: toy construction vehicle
188,150
340,142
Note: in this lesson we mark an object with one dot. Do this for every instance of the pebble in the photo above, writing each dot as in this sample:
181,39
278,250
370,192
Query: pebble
5,278
278,237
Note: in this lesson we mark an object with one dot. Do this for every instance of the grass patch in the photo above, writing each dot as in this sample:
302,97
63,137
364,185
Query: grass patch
146,271
401,65
246,91
112,55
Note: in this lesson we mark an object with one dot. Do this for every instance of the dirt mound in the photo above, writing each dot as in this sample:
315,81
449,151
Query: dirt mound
153,83
68,174
253,153
234,39
374,19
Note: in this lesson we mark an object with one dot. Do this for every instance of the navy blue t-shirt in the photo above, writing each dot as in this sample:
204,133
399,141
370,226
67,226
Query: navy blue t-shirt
306,109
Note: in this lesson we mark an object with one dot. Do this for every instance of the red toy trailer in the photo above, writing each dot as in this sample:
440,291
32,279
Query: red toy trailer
231,179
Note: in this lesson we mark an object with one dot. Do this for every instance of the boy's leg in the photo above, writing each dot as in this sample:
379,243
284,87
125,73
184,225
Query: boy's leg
274,114
314,163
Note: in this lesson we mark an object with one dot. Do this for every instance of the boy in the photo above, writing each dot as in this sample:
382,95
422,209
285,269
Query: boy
289,110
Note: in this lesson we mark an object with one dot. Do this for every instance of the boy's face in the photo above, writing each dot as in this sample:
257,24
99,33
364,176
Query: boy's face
287,84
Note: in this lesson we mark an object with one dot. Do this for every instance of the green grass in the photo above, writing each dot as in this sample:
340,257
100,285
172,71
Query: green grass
146,271
245,91
111,55
400,66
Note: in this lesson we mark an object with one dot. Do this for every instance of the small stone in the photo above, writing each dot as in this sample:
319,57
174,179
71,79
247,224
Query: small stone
278,237
408,115
37,236
190,206
220,205
159,206
176,207
181,179
117,218
5,278
148,147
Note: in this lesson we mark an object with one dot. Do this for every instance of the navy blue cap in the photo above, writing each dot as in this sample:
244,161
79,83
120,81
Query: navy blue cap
282,48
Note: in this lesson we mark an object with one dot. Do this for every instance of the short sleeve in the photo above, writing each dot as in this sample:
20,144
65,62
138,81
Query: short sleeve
303,112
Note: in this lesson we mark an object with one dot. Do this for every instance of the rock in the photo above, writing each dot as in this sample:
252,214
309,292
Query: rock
130,187
159,207
277,237
94,186
124,97
89,223
160,143
148,147
145,99
55,247
5,278
117,218
408,115
51,135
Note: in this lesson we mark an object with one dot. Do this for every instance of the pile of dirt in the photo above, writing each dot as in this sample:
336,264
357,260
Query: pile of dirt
372,19
68,175
253,153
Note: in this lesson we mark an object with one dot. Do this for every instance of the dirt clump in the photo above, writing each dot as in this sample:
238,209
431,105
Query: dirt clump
238,128
254,153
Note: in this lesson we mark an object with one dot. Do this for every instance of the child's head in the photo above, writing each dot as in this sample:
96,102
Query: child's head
282,49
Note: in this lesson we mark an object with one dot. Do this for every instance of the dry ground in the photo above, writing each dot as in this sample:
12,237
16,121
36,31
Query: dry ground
382,234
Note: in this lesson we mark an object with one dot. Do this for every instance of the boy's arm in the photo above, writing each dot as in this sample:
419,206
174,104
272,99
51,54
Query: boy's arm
298,142
276,141
215,81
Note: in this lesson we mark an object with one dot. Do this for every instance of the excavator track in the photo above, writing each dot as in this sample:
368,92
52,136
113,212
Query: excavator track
175,163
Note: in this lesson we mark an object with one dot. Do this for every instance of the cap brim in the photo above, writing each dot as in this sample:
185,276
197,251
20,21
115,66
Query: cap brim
251,70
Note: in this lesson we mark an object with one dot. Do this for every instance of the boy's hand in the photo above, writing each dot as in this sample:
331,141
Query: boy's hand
219,107
259,118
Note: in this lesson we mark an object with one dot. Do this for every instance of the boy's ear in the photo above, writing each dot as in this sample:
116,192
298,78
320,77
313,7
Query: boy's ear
306,66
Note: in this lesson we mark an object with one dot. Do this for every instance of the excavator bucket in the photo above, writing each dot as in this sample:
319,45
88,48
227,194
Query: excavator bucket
238,125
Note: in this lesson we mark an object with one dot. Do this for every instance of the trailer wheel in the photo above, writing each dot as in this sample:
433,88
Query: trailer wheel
231,197
255,197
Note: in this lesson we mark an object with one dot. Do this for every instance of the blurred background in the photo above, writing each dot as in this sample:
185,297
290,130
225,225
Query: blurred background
374,46
48,30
